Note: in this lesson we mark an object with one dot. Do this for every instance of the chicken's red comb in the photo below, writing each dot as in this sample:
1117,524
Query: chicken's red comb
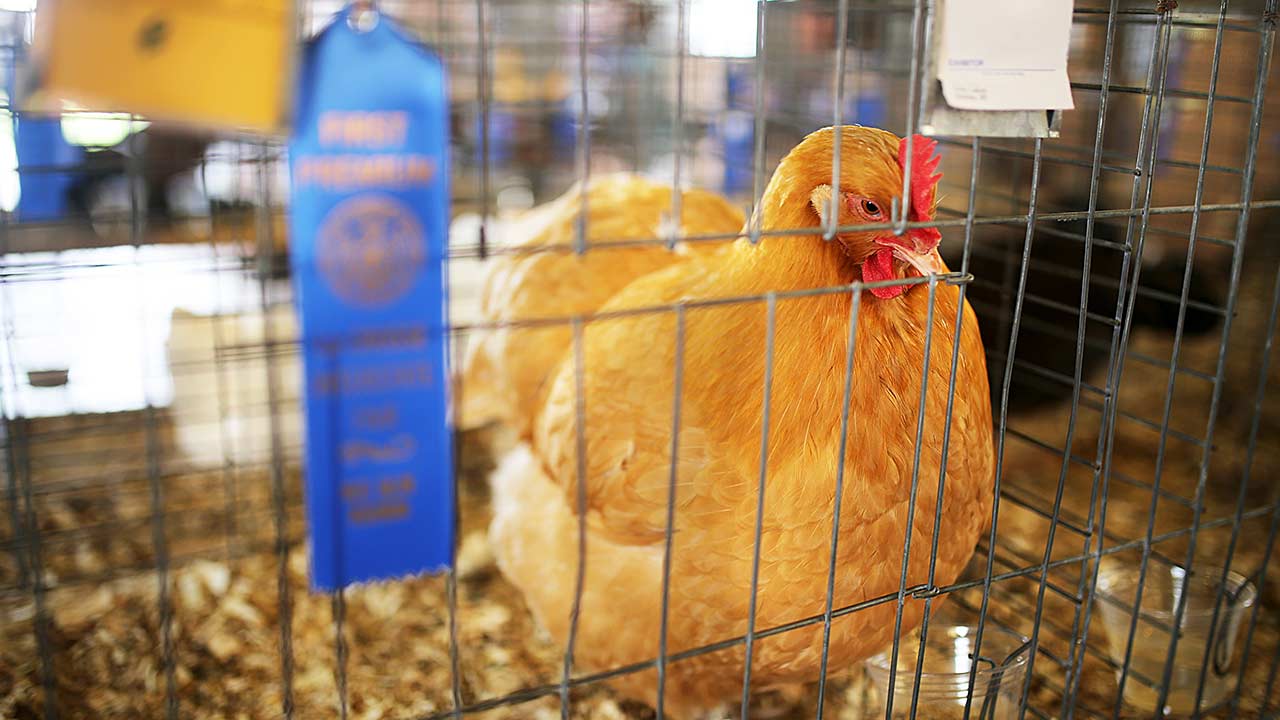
923,177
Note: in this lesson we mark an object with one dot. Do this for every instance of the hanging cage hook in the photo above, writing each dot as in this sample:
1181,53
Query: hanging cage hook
363,16
898,216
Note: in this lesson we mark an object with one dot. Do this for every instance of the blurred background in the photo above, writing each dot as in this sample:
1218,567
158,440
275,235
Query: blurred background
197,192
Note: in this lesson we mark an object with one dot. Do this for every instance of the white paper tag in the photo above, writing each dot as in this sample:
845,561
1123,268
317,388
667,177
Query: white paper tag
1005,54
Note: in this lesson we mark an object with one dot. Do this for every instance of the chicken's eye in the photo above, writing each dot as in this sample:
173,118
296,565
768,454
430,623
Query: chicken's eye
870,208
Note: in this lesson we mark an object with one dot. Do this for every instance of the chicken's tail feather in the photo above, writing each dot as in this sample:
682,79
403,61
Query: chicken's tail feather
478,398
509,486
525,535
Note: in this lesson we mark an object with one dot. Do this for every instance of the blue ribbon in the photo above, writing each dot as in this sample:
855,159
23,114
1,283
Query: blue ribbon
369,163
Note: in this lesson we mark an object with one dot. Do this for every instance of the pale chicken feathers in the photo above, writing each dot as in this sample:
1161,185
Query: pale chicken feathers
505,369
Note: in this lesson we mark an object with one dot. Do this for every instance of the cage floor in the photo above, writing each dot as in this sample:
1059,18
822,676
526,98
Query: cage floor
94,499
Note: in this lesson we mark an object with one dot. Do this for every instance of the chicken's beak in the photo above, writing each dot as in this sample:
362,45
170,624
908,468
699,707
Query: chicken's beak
925,261
929,263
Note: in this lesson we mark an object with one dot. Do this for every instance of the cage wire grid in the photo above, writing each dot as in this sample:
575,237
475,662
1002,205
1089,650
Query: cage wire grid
116,544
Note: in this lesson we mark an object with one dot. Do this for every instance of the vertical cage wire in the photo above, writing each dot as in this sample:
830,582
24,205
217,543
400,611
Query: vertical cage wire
1161,52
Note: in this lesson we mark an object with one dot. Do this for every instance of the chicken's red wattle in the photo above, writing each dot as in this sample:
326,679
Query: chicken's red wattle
879,267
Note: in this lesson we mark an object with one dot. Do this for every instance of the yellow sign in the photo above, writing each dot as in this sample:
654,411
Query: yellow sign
224,64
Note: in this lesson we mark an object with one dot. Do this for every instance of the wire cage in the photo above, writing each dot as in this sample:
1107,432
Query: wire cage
1121,269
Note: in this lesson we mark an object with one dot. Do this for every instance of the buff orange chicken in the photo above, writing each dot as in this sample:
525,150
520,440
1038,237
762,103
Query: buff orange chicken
506,369
610,427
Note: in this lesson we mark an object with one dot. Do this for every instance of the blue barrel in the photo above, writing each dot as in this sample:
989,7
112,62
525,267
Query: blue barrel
735,130
46,164
869,108
564,130
40,147
737,138
502,135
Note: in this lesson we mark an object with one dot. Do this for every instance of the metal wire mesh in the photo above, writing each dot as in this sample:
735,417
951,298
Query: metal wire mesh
1123,277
